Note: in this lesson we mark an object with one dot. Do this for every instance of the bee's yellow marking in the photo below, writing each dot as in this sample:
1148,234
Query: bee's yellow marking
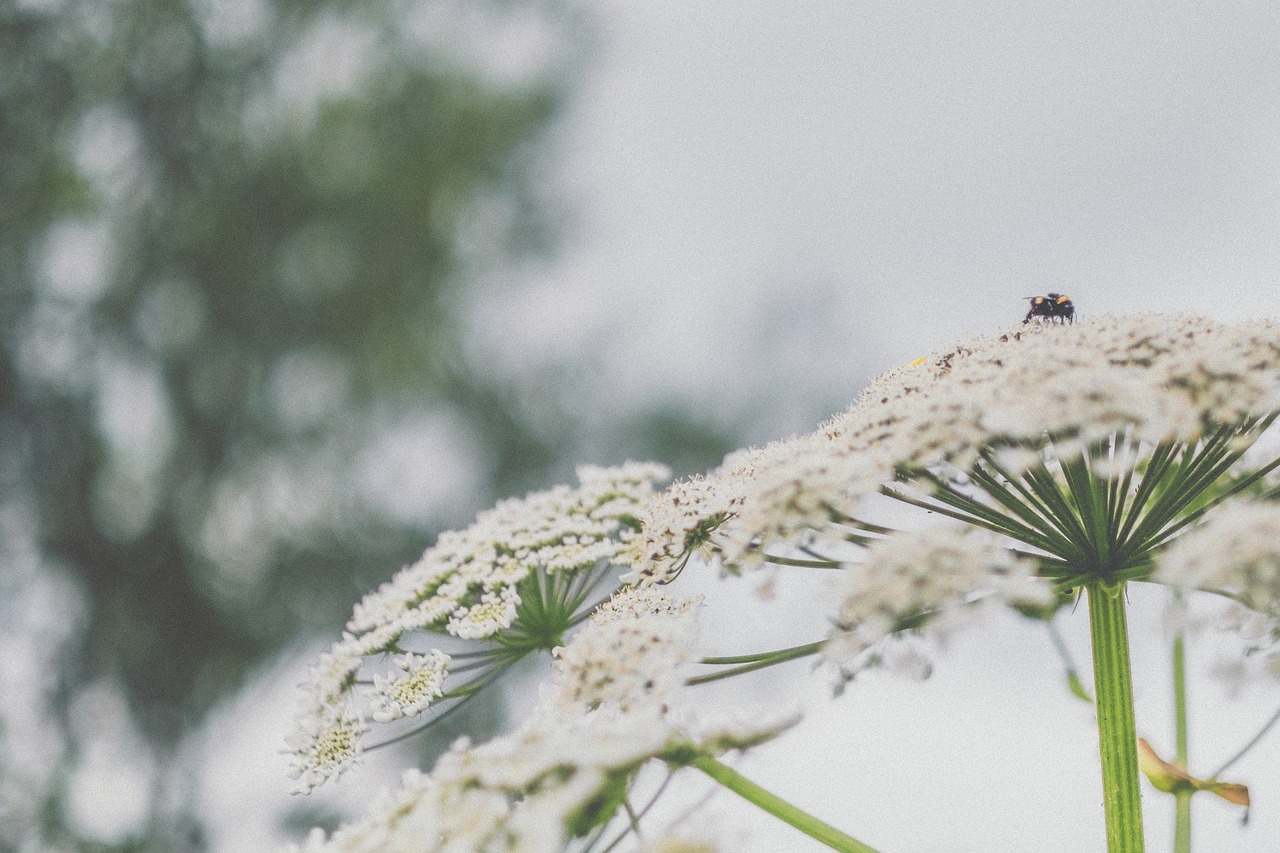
1062,299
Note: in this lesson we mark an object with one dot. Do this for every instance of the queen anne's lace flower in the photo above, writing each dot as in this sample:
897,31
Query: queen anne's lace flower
325,744
531,791
468,585
924,572
408,693
628,655
558,531
1076,456
1151,378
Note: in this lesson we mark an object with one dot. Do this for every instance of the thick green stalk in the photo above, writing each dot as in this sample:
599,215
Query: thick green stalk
779,808
1117,732
1181,797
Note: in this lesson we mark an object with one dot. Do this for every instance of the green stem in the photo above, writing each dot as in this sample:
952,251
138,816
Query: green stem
779,808
1181,797
1117,732
750,663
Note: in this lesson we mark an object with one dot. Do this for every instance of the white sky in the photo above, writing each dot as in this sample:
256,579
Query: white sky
802,195
778,200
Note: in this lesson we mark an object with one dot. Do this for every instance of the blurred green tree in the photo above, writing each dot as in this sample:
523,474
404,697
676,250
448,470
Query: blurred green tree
233,239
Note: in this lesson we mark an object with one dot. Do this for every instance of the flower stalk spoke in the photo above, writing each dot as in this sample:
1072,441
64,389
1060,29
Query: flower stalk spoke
1042,482
1197,470
1025,505
1161,460
796,562
1233,490
1084,493
778,807
983,515
751,663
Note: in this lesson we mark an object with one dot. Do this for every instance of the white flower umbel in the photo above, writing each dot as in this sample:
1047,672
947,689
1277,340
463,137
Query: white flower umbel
514,582
324,745
558,778
1003,432
1084,449
908,578
1062,457
419,681
628,655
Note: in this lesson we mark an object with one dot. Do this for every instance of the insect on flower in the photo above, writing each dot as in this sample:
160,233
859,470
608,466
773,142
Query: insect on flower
1055,306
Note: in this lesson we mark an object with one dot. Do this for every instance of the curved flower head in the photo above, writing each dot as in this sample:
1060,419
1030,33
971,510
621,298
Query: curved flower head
554,780
629,653
564,774
514,582
1084,449
325,744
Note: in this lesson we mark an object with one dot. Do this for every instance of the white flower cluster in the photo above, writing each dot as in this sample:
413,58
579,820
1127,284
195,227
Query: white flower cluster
531,791
419,682
466,585
1151,378
1235,550
324,744
925,572
463,583
628,654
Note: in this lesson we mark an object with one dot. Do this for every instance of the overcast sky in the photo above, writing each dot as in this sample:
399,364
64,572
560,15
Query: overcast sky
818,191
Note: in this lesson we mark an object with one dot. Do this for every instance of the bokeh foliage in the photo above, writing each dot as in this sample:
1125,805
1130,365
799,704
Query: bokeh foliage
234,242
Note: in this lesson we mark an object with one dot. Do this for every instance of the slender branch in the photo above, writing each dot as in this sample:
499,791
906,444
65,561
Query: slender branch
1074,684
1083,489
1275,718
802,564
1025,504
806,649
760,663
778,807
1161,458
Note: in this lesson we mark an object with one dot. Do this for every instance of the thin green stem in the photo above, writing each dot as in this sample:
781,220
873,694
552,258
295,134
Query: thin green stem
796,562
778,807
1182,796
1042,482
1161,458
1074,684
1248,746
1117,732
781,654
1195,471
754,662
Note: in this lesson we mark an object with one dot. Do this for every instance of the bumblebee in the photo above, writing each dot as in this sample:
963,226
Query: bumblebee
1055,306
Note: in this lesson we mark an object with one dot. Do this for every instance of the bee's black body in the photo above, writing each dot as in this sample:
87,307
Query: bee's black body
1055,306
